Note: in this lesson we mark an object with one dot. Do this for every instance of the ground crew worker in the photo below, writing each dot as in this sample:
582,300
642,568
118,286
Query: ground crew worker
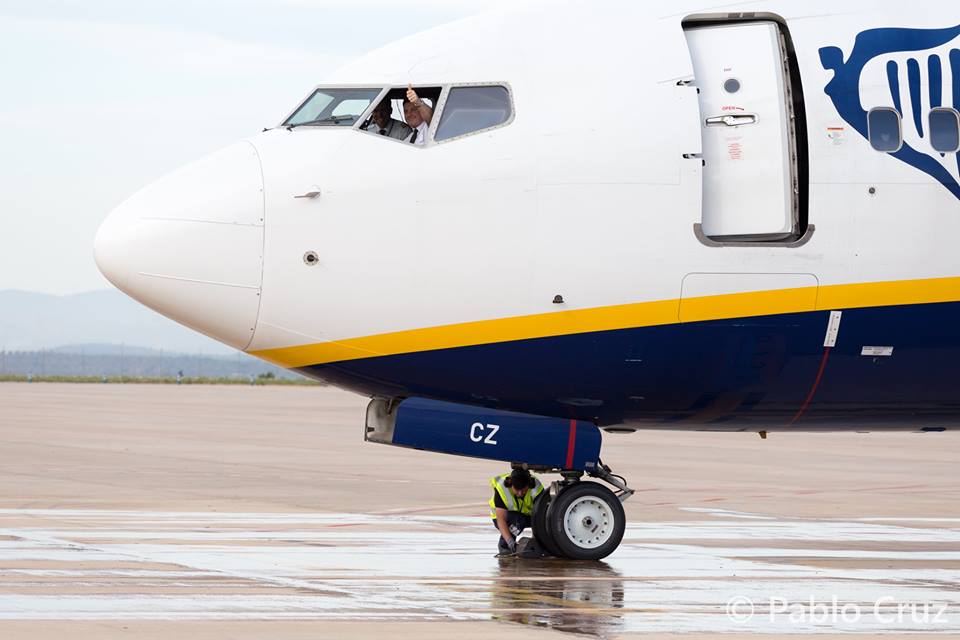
512,505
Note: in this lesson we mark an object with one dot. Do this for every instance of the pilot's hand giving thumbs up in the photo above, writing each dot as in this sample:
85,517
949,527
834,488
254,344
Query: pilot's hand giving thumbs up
422,108
413,97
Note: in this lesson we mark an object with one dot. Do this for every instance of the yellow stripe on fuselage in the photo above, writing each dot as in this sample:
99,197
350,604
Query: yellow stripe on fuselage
625,316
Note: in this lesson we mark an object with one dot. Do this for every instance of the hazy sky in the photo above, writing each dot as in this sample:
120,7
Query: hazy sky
99,97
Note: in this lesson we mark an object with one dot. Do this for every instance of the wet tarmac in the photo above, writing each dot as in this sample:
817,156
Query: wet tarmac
725,572
208,512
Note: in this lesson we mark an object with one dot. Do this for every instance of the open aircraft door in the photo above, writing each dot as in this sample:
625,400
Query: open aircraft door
749,175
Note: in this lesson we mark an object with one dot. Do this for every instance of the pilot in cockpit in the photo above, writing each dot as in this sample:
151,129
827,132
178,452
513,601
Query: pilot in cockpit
381,123
418,115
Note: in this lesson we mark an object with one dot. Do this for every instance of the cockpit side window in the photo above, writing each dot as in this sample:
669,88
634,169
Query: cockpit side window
332,108
473,109
449,112
388,118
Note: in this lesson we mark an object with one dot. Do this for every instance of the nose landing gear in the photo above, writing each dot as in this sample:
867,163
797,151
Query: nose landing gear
574,519
581,520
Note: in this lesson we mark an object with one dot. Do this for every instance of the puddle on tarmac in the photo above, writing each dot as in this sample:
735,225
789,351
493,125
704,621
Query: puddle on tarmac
730,572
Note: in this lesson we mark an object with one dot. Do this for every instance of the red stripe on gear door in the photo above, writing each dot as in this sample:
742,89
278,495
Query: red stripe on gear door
571,443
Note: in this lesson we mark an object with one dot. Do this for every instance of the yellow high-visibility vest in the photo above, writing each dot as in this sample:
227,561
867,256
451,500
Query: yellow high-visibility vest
523,505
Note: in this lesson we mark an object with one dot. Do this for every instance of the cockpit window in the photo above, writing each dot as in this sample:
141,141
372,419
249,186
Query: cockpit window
471,109
333,108
391,120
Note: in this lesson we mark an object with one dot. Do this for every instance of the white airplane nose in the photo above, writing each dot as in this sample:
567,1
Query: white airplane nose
190,245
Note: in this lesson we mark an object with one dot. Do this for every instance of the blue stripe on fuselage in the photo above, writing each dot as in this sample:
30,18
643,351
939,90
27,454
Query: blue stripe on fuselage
749,374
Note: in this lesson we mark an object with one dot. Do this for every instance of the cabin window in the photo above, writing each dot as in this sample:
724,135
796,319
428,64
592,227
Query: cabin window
945,130
472,109
884,129
332,108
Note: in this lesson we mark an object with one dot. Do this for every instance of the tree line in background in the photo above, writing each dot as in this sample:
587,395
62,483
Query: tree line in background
149,367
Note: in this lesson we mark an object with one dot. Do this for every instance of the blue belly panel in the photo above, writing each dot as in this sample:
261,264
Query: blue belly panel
742,374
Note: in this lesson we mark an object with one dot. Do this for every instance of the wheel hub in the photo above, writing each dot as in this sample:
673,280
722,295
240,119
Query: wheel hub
588,522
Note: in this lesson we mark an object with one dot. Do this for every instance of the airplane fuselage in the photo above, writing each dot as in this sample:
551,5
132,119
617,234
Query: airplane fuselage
686,222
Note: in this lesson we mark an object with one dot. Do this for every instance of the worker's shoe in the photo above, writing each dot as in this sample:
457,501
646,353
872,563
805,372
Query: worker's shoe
530,548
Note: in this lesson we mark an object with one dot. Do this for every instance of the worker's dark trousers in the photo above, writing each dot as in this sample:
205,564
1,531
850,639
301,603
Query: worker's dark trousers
516,522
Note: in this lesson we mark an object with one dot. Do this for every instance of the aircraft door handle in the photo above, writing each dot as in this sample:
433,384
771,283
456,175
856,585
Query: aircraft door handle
731,120
313,193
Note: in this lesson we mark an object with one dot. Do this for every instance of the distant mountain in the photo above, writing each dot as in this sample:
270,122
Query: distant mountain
34,321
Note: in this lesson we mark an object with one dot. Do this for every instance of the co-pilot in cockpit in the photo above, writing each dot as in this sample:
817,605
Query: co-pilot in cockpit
382,122
406,114
416,107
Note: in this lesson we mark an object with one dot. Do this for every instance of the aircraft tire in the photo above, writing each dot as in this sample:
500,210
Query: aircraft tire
586,521
541,525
